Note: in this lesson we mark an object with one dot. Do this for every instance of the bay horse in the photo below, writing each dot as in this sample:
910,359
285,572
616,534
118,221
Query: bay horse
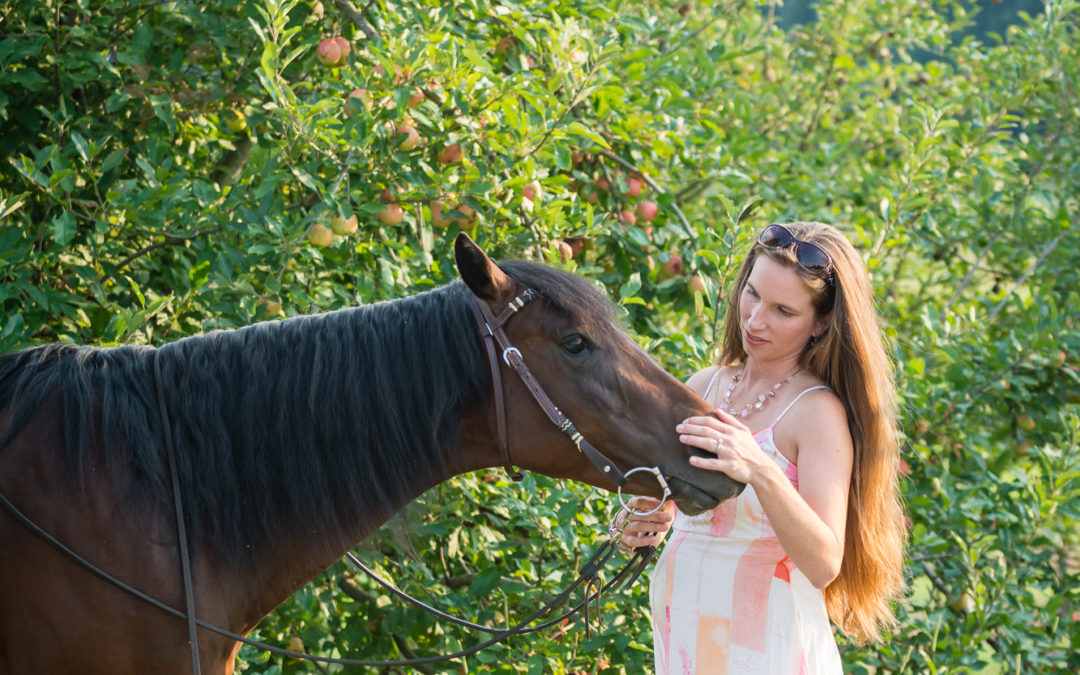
294,439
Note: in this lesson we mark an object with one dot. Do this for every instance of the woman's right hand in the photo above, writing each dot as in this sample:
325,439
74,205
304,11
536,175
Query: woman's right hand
645,530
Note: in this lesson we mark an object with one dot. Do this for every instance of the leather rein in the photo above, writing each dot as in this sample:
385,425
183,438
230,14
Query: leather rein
492,333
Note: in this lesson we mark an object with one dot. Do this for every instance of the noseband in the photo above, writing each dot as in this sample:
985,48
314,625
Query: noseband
491,331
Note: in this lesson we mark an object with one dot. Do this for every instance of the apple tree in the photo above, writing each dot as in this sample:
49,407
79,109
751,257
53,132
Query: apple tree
171,168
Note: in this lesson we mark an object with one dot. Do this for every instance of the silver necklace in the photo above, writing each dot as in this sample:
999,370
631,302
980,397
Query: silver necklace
755,405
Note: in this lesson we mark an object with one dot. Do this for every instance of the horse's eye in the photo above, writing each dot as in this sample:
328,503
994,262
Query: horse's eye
576,344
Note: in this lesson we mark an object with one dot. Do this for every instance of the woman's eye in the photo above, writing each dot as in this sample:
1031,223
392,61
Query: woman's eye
575,344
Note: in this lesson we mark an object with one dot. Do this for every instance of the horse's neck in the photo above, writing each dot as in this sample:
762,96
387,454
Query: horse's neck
307,549
299,554
301,550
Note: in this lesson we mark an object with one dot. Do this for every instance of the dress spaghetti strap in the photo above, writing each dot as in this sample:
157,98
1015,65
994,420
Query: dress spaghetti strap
712,381
781,416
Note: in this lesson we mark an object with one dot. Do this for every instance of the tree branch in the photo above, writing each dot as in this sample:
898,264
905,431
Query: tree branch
349,588
1035,171
357,18
651,183
408,653
233,162
168,240
971,272
1030,270
571,104
342,174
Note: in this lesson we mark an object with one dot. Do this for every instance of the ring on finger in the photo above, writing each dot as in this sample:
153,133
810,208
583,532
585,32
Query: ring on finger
719,444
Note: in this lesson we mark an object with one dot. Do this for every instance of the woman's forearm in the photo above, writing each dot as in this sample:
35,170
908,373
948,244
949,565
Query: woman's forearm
808,541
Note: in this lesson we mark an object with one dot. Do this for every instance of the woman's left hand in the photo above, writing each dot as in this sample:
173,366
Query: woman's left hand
737,453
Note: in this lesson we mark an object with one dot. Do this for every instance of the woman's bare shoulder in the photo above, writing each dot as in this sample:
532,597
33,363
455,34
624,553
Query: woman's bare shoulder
699,381
817,417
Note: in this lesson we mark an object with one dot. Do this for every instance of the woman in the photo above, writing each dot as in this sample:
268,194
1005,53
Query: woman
805,417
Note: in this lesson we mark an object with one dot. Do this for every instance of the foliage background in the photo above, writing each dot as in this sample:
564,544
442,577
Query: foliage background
132,212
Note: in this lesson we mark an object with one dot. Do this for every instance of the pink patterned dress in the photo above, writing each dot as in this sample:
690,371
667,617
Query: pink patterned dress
726,598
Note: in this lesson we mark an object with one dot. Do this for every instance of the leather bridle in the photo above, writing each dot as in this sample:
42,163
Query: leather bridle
492,332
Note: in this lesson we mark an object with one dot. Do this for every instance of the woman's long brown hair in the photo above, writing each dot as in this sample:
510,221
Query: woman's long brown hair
850,357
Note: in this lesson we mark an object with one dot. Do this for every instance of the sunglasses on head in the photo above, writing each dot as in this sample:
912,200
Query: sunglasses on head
809,255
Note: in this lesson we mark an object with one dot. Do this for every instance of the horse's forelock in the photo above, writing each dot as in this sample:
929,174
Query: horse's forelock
573,296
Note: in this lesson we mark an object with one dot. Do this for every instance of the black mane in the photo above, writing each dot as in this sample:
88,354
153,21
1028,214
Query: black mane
300,420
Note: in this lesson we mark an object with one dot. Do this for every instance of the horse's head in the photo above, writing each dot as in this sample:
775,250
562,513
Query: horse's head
620,400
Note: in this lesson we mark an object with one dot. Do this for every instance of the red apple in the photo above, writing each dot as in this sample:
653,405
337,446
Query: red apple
320,235
437,219
634,186
696,284
566,252
362,95
674,266
400,74
505,44
451,154
389,194
412,137
577,244
345,48
344,226
442,217
647,211
627,216
470,216
392,214
328,52
602,184
531,191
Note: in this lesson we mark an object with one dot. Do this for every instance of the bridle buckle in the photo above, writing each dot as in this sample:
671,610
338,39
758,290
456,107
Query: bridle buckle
512,351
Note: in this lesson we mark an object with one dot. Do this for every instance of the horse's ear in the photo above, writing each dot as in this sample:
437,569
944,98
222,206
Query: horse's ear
479,273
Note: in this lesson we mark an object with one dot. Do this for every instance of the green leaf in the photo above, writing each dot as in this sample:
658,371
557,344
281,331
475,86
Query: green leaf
112,160
13,326
476,59
9,206
631,287
484,582
80,145
64,228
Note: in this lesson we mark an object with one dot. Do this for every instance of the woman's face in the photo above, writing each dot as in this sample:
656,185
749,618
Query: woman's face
777,317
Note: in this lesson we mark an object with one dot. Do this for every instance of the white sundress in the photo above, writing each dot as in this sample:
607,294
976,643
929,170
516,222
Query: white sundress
726,598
